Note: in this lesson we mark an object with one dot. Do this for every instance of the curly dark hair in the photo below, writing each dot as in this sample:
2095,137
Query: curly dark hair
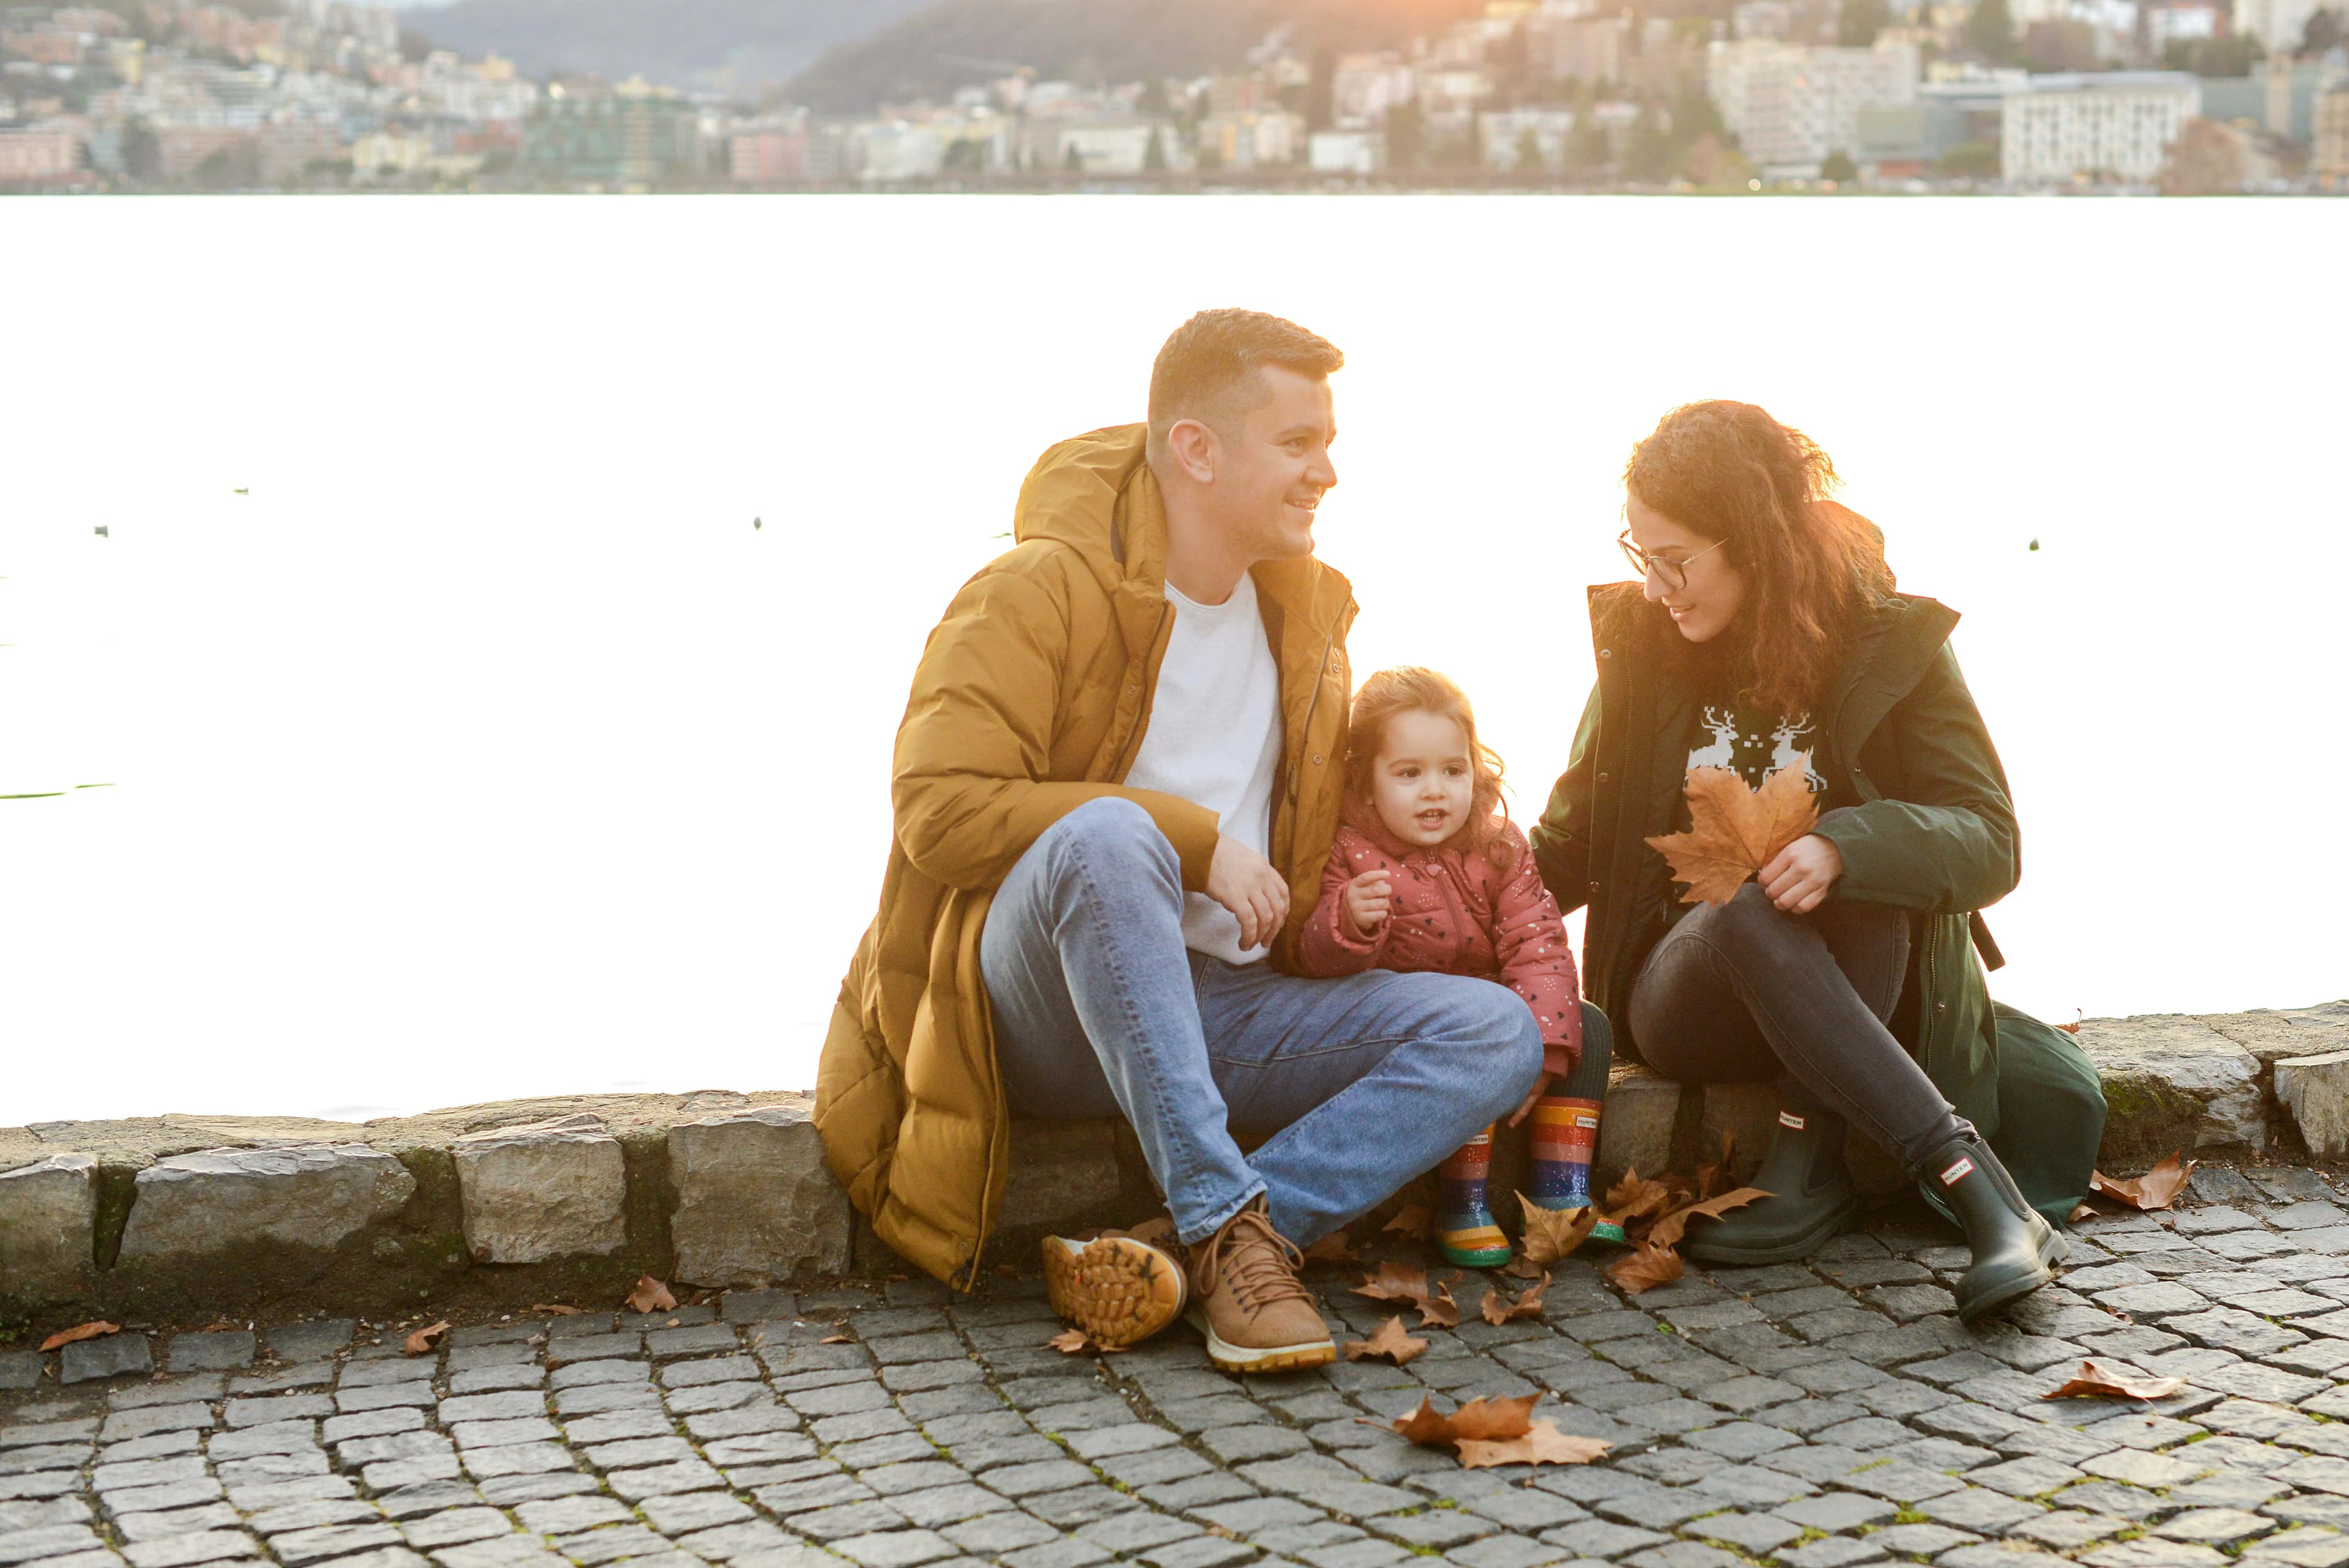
1730,472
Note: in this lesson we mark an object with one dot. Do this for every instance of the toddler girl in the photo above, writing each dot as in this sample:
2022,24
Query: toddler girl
1428,873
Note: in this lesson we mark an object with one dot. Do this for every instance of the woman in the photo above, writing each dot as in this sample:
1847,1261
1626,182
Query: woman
1765,634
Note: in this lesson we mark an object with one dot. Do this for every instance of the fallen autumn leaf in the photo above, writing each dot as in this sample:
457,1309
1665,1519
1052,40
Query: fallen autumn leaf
1668,1231
1479,1420
1391,1341
1646,1268
1541,1444
651,1295
422,1342
2099,1379
1334,1248
79,1332
2156,1188
557,1308
1529,1305
1411,1221
1550,1234
1635,1196
1734,832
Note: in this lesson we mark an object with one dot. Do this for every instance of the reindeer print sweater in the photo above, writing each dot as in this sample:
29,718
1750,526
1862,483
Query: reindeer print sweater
1728,736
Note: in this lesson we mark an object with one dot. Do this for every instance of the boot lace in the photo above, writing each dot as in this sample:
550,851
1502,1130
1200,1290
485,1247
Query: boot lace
1260,1263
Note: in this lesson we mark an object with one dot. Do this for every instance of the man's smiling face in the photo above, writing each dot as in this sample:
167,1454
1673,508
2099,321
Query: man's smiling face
1273,466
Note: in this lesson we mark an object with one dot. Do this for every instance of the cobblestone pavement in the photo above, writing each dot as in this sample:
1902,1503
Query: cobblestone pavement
1816,1417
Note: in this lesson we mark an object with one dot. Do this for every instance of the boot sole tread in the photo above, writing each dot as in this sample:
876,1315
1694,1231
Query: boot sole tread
1118,1290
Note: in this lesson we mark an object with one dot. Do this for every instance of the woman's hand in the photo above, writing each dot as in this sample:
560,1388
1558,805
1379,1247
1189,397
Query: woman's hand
1803,874
1369,898
1541,1087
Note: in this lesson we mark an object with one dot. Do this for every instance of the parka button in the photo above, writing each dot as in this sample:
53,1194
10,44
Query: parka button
1317,759
1594,888
1602,778
1606,653
1940,1007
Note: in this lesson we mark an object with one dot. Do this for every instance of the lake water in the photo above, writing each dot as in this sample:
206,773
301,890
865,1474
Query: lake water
466,740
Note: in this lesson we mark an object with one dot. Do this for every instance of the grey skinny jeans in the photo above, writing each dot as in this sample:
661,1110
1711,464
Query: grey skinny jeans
1743,991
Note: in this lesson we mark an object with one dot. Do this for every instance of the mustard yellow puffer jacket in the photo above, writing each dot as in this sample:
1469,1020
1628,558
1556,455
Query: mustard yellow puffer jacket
1032,699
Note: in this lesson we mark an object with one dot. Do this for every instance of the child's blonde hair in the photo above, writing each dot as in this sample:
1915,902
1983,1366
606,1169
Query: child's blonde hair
1412,688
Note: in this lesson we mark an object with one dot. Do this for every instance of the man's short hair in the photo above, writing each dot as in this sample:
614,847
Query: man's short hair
1207,369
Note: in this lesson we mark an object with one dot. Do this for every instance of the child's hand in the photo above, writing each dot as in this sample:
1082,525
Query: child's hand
1541,1087
1368,897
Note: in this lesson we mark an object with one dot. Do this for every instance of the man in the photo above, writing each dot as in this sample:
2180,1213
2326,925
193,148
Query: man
1114,787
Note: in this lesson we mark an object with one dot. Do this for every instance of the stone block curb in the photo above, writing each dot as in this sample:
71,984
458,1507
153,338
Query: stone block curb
570,1197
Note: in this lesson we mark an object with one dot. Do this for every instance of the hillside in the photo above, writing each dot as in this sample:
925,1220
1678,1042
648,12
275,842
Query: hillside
732,44
953,43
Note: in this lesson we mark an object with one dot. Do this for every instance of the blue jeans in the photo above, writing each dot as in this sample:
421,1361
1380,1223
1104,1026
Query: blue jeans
1100,1010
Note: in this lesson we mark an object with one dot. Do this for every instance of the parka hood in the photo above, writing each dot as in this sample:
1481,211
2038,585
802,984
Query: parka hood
1096,494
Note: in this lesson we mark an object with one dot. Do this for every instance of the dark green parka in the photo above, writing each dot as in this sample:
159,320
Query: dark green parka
1932,831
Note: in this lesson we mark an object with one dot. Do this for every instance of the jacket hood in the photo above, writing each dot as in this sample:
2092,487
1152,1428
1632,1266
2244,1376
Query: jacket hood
1096,494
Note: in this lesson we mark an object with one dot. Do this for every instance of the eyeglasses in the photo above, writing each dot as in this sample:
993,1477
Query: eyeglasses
1673,574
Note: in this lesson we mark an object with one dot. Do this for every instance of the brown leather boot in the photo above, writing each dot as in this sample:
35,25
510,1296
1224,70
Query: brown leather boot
1246,1299
1118,1289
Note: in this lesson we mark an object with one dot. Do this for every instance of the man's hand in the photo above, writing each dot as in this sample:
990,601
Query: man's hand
1541,1087
1368,897
1244,882
1802,875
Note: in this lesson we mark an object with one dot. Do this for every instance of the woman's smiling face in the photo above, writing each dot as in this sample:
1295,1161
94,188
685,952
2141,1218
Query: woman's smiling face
1711,591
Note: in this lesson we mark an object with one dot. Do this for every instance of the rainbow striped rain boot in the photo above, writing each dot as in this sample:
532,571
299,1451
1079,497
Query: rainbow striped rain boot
1464,1219
1566,1138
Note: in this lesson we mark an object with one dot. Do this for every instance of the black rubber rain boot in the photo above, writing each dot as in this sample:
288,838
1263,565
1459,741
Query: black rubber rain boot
2014,1248
1811,1196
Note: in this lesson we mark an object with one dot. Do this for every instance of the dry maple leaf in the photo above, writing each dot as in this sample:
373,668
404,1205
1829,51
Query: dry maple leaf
557,1308
2082,1212
1391,1341
1334,1248
1734,832
835,1339
1411,1219
1633,1198
2101,1379
1529,1304
1479,1420
79,1332
1645,1269
1437,1306
1550,1234
422,1342
1072,1342
651,1295
1668,1231
1541,1444
1395,1283
2156,1188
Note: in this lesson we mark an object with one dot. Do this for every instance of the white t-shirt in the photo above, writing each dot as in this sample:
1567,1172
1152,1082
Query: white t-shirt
1214,740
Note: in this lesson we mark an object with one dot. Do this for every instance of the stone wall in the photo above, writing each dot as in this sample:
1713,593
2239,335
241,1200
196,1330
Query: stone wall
195,1218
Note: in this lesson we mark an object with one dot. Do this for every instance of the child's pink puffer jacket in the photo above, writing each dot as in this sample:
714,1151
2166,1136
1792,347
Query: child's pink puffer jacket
1455,911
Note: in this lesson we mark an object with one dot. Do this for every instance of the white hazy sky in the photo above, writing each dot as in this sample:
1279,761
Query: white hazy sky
484,748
